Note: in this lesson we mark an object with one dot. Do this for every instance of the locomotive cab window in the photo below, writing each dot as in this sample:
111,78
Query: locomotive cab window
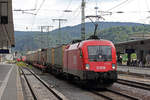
99,53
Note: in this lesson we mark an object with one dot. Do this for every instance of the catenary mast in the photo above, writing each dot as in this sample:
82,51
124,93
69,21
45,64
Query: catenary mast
83,20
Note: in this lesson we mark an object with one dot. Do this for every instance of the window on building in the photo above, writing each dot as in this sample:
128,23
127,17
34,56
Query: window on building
3,12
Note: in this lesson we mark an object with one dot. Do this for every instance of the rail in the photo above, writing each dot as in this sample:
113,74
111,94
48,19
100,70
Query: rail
134,84
105,94
41,81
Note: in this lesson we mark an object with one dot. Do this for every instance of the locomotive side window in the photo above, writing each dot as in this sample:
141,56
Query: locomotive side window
81,54
99,53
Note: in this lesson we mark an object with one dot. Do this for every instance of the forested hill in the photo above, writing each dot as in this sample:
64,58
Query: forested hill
114,31
123,33
75,31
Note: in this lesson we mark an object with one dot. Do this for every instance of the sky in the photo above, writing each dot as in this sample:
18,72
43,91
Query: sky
46,10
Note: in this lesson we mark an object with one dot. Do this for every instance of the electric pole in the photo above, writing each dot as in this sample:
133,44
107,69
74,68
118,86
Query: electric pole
83,20
59,20
47,28
41,36
96,10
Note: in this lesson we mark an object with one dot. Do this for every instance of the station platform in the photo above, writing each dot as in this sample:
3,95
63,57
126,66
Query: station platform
10,84
134,70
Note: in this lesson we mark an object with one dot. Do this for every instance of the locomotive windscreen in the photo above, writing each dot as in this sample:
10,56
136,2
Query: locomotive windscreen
99,53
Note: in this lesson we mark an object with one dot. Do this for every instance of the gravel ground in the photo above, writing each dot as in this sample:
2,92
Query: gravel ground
73,92
142,94
26,92
41,92
145,80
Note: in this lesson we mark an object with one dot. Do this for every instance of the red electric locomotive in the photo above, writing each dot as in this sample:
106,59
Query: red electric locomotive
92,61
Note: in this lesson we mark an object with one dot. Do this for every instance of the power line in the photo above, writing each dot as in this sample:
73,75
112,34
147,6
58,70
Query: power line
40,7
36,2
69,4
34,17
76,10
146,2
24,9
118,5
139,8
47,30
67,9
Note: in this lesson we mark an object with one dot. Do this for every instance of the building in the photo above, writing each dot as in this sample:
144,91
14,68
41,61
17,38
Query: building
6,26
140,47
139,36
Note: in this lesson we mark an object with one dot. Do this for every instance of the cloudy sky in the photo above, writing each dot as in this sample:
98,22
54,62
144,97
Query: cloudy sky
46,10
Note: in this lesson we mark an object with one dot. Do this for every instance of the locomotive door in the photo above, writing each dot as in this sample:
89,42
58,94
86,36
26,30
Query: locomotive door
67,61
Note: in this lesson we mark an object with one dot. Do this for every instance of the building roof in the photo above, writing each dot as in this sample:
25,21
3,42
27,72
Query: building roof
143,44
141,35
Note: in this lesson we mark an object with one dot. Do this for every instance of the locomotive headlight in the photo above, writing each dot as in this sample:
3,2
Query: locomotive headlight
87,66
113,66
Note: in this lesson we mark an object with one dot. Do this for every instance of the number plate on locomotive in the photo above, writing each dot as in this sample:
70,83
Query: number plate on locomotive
100,67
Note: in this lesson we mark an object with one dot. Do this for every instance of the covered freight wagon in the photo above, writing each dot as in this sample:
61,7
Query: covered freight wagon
56,59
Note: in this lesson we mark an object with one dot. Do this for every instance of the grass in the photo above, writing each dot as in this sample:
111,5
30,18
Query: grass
23,64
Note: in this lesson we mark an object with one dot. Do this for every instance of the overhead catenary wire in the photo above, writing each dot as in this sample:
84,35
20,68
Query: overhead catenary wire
72,13
139,8
40,7
146,2
126,2
69,5
27,10
36,2
34,17
118,5
67,8
75,12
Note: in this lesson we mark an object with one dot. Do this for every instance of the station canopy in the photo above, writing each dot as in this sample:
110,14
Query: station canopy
143,44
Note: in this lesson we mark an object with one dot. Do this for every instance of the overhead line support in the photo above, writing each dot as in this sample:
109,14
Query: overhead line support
59,20
83,20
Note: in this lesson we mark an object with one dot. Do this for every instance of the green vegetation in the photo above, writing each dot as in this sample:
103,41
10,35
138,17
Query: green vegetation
113,31
22,64
122,33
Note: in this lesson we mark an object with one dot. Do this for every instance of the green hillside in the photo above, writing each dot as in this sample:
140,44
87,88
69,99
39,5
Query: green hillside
111,31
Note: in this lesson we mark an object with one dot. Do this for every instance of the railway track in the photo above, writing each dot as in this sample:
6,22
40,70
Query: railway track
35,93
113,95
134,84
108,94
